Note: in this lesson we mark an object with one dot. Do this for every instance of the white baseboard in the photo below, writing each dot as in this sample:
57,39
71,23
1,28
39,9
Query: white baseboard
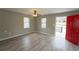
45,33
15,36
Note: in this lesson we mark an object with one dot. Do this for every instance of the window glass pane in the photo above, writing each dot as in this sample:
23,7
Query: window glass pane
43,20
26,20
26,25
43,25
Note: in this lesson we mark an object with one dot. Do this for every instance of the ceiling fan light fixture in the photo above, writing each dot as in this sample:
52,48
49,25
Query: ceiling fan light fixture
35,13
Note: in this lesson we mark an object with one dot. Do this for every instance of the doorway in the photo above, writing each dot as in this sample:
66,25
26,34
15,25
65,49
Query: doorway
60,29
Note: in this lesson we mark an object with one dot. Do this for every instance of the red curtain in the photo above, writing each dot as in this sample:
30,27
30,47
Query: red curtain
72,29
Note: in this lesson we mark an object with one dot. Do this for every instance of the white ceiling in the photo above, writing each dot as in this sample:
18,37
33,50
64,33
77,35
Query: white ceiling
41,11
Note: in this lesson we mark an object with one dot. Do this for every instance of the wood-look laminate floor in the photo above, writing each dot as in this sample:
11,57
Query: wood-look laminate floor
37,42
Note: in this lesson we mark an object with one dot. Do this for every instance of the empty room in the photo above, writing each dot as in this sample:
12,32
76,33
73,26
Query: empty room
39,29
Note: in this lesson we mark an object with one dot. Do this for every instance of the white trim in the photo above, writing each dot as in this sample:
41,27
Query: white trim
45,33
15,36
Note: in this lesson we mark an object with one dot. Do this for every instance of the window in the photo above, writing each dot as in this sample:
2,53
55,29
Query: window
26,22
43,22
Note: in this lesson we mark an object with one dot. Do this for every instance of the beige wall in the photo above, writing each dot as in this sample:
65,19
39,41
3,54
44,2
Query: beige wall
11,24
51,21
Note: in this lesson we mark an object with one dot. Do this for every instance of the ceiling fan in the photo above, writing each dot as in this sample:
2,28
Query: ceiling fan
35,13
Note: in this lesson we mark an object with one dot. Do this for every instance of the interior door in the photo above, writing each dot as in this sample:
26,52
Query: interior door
72,29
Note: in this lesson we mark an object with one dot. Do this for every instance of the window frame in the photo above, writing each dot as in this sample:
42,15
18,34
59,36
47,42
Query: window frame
43,23
26,22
